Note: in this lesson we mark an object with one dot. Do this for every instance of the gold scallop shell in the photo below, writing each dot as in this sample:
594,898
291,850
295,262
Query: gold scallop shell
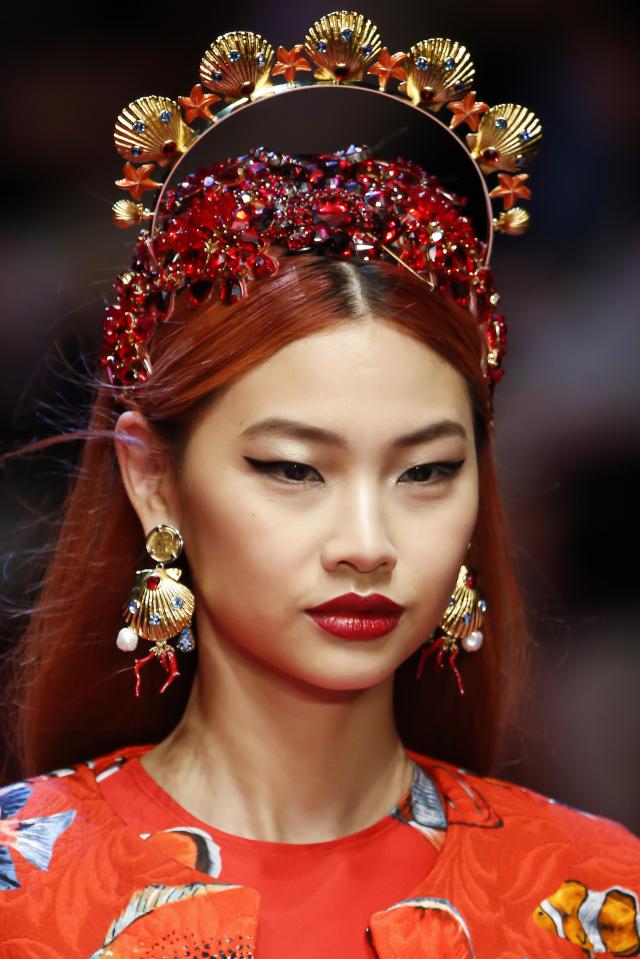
343,45
171,602
128,213
438,71
237,64
464,600
513,221
508,138
151,130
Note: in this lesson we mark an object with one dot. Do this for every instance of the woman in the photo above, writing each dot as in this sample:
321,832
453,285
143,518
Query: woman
326,434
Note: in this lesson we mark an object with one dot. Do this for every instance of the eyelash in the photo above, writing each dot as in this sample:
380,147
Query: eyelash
447,470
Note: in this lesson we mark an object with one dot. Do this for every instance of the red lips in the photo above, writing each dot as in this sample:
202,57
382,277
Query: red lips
357,603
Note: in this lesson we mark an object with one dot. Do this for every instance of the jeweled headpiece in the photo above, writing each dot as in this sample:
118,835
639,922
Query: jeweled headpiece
215,229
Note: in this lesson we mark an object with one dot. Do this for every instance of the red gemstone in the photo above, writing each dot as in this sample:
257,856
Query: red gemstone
333,214
152,582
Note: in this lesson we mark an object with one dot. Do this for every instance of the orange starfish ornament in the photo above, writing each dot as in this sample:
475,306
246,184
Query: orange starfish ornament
289,61
511,187
387,66
197,104
467,111
137,180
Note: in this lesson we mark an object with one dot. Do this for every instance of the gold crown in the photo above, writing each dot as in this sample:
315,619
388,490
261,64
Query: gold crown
341,48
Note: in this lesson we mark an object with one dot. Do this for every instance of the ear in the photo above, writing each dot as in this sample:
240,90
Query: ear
146,471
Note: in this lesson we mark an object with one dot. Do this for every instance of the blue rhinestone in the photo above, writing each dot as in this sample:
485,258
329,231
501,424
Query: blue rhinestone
154,619
133,606
346,34
449,63
521,160
466,618
208,181
139,126
321,46
185,642
460,86
165,116
178,602
483,606
217,76
526,135
452,601
136,151
261,59
422,63
367,49
234,55
501,123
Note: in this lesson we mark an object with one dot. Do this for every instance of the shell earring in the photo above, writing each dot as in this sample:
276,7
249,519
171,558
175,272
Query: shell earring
460,621
159,606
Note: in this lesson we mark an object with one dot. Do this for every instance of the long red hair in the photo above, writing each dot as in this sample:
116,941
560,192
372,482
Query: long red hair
68,695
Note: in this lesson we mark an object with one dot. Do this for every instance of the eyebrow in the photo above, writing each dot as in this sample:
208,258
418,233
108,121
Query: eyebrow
277,426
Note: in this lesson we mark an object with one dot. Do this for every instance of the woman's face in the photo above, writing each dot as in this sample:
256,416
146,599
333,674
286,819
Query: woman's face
356,515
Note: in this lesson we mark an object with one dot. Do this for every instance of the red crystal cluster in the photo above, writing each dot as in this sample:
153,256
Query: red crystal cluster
217,227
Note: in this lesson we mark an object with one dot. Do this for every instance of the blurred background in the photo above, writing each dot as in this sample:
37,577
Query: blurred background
568,408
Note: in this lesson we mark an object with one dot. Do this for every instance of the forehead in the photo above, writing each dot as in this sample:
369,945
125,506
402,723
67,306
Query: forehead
366,376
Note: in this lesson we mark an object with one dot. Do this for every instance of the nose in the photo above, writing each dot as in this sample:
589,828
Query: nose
358,534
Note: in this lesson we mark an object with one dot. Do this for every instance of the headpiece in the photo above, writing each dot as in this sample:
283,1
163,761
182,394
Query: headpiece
213,230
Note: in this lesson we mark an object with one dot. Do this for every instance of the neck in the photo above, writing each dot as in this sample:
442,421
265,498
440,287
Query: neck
259,755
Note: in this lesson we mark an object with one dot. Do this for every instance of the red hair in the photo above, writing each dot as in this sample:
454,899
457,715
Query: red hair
69,697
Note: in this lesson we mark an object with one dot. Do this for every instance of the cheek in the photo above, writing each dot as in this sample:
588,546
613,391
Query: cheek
234,538
437,545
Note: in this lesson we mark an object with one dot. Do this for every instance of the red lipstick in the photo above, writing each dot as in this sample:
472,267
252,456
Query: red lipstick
357,616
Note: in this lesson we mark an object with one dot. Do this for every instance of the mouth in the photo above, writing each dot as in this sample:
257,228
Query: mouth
362,625
359,604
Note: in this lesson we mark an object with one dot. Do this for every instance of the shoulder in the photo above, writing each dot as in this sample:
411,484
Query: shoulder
46,819
525,814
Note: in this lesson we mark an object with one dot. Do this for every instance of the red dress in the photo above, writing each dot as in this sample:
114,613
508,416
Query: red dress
98,862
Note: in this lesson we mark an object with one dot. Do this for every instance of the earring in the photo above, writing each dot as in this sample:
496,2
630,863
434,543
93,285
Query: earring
159,606
460,621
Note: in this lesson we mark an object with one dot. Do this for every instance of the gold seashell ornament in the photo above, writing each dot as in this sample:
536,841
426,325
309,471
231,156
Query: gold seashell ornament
343,45
465,612
158,606
512,222
151,130
238,64
508,138
438,71
128,213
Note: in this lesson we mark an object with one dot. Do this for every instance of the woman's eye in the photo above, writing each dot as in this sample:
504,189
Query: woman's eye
292,472
442,471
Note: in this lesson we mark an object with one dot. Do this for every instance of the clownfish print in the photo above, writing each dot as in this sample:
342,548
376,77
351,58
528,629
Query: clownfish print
597,921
